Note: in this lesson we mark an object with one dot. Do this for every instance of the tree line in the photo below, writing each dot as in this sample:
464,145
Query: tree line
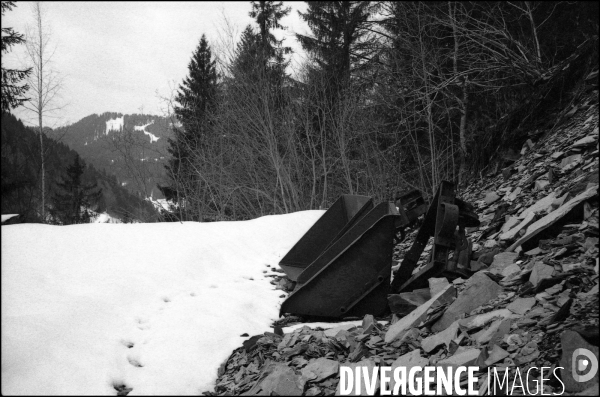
42,179
391,96
74,190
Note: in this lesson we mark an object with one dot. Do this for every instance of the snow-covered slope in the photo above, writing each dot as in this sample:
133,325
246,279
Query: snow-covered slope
155,307
153,138
115,124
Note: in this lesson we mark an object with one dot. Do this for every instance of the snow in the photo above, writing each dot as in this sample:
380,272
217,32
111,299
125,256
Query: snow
105,218
159,203
115,124
153,138
355,323
74,298
7,217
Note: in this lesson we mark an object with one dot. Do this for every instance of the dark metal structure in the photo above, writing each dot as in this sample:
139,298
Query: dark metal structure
342,265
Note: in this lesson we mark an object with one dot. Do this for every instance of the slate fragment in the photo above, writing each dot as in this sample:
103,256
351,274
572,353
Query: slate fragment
491,197
497,354
553,217
320,369
413,319
501,261
540,272
480,289
521,305
277,378
466,357
440,338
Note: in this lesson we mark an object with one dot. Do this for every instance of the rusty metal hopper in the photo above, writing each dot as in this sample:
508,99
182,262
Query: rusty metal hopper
341,216
351,276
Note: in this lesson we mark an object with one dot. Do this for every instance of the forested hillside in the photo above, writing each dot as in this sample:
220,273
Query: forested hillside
131,147
386,97
21,178
390,96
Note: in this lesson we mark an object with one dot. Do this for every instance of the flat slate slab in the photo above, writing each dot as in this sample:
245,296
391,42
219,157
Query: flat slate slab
466,357
539,206
509,224
441,338
320,369
437,284
491,197
481,319
415,317
521,305
501,261
281,380
479,290
539,272
554,216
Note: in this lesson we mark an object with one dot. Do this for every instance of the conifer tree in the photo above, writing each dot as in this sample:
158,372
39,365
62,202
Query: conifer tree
197,94
338,35
12,91
247,60
267,15
260,58
74,199
196,100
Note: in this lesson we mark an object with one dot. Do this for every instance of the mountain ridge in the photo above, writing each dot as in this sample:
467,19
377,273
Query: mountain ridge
133,147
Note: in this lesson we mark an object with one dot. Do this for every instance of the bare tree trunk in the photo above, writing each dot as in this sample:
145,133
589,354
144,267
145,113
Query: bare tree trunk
463,102
44,85
40,65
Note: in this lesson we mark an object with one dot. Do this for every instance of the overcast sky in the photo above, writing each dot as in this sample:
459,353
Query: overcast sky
124,56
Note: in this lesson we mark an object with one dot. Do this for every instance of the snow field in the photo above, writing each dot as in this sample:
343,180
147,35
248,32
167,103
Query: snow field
154,307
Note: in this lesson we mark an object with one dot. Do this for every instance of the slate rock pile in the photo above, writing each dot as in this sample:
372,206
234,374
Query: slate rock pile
531,301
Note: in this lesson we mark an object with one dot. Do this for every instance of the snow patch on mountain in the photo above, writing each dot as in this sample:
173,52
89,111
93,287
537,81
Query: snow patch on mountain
115,124
153,138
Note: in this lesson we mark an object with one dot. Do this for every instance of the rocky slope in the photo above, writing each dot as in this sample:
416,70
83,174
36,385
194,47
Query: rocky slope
531,302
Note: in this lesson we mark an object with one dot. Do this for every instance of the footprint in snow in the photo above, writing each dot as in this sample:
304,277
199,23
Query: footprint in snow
122,390
142,323
135,361
127,343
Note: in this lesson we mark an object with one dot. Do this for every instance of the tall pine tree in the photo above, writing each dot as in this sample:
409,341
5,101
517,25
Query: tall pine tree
267,15
73,200
338,41
196,100
197,94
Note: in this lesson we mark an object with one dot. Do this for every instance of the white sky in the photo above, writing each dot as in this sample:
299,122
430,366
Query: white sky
121,56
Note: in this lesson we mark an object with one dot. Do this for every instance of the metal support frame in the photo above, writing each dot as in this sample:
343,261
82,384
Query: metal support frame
445,221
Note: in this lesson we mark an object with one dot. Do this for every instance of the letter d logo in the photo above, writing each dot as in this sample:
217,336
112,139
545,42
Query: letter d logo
583,361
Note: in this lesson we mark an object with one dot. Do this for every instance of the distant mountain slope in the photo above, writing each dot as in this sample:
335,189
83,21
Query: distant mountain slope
20,173
132,147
